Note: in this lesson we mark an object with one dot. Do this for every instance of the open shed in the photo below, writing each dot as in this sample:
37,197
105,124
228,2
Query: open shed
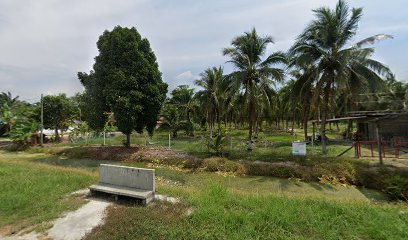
391,127
380,130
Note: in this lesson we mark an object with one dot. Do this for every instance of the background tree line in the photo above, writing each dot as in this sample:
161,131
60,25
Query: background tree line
325,74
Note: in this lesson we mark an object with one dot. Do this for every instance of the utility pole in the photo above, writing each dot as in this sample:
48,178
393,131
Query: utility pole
42,121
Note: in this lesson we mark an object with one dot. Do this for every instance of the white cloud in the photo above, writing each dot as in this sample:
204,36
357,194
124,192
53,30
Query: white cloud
186,76
47,42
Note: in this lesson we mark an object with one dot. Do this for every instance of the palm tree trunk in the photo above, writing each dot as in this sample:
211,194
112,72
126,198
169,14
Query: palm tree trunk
252,118
293,122
210,124
305,118
325,104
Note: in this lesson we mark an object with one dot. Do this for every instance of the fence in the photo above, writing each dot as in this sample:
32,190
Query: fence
265,145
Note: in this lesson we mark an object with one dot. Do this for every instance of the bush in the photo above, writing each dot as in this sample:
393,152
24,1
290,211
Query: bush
217,144
219,164
397,188
272,170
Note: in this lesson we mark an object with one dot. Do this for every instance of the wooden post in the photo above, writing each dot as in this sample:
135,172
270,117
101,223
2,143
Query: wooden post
380,156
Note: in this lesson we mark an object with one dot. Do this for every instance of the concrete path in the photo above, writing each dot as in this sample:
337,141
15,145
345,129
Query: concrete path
75,225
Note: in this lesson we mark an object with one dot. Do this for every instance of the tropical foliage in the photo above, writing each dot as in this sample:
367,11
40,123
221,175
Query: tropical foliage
126,81
325,74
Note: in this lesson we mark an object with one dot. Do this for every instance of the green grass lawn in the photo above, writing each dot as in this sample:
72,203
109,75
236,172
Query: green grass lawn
33,193
227,207
35,188
220,214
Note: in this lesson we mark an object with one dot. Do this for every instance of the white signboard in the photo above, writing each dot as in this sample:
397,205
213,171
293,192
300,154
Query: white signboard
299,148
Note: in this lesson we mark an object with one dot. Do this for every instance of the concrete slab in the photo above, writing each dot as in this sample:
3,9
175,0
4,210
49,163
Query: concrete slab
139,178
75,225
164,198
123,191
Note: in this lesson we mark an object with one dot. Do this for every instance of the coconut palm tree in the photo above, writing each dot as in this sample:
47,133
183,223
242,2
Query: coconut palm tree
324,44
252,74
210,81
7,98
303,89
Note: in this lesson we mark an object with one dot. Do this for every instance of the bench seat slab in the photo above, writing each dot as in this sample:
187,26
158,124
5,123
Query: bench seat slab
123,191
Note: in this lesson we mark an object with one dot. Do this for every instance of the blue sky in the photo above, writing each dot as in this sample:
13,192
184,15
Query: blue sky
43,44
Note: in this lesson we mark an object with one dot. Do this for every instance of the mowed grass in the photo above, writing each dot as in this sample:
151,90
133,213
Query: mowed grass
217,212
227,207
214,206
33,193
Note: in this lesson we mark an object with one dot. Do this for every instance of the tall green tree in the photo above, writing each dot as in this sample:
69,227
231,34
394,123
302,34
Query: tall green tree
11,109
59,112
253,74
325,43
183,98
210,97
126,81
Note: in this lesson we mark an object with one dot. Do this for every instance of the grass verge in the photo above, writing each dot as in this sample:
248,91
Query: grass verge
219,213
33,193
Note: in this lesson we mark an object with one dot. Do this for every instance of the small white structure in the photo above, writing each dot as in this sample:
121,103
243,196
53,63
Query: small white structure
126,181
299,148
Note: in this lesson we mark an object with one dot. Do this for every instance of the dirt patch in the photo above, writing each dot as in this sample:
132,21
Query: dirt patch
100,152
157,155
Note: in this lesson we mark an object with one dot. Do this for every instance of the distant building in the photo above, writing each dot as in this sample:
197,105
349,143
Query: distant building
391,127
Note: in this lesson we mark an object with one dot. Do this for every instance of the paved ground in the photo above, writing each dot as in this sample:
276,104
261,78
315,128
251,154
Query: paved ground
72,226
75,225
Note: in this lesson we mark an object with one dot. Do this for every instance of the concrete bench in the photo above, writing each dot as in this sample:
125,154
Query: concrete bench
126,181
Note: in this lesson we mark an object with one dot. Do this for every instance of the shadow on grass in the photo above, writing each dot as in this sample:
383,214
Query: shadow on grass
373,195
73,162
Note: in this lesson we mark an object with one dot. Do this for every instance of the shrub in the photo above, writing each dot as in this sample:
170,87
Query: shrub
397,188
219,164
217,144
272,170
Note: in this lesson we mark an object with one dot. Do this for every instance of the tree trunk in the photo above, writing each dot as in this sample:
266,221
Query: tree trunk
219,122
252,118
127,144
349,129
293,123
305,118
305,128
326,98
57,137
